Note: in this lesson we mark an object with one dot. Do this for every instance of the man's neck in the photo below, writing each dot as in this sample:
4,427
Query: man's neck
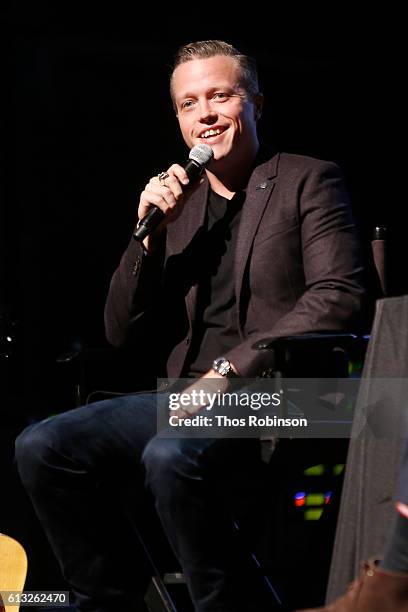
218,186
227,183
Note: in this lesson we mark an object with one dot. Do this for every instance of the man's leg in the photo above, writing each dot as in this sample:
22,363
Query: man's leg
192,480
75,466
66,463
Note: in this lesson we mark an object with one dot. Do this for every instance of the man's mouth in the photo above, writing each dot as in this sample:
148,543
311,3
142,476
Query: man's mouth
211,132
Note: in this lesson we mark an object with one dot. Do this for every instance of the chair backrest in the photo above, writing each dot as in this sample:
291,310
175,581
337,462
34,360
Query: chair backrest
379,252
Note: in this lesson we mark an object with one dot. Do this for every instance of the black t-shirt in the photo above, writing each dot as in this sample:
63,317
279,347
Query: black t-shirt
216,328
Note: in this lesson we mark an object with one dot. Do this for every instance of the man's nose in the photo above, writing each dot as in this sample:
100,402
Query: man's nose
207,113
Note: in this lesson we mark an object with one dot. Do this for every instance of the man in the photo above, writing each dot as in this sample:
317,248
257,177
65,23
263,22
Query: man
259,247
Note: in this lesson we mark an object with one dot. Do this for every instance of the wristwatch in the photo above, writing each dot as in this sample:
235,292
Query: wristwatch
224,367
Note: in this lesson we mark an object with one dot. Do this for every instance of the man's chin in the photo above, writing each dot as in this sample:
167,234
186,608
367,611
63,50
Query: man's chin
220,153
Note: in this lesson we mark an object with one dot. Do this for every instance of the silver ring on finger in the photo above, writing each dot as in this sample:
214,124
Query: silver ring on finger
162,177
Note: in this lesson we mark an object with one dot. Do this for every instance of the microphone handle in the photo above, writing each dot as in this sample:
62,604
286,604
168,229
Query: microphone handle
155,215
148,223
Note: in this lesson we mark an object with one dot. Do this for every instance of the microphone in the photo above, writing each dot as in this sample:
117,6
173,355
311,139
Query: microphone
198,158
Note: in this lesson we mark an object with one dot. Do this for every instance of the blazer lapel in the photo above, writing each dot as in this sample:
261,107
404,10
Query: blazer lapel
258,192
182,231
188,224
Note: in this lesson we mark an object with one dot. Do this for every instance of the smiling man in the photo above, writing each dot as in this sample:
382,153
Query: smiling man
263,245
217,106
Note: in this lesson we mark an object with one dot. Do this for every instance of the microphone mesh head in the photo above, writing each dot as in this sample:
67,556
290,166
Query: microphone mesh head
201,154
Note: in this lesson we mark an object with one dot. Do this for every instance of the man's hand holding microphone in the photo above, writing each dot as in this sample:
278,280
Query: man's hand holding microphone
163,198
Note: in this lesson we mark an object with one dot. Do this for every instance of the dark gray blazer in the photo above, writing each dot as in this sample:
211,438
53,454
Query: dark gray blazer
297,265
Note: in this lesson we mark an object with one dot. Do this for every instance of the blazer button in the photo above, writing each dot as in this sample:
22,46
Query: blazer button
136,266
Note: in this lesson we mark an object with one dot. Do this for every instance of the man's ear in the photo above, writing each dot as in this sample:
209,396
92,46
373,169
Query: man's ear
258,105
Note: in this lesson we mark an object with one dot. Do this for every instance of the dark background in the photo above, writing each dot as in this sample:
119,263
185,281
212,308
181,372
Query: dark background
87,120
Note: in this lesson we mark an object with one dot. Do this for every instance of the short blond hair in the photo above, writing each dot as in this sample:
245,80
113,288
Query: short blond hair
210,48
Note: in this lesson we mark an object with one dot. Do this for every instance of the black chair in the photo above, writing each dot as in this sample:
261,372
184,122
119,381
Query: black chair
167,589
332,355
313,355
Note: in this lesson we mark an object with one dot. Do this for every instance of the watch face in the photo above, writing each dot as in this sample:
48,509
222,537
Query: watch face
222,366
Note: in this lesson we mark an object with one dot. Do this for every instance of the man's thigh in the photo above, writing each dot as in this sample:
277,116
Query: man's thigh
98,435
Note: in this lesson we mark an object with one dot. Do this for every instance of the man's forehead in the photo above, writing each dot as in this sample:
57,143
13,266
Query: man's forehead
215,71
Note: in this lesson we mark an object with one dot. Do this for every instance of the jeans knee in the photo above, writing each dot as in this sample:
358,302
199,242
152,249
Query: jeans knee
32,447
165,461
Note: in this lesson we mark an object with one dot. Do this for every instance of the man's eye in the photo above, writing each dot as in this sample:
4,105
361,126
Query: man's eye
220,95
187,104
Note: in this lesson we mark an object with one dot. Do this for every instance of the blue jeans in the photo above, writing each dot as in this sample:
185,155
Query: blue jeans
75,467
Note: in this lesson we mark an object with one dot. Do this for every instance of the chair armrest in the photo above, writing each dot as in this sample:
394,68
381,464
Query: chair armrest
345,339
321,338
316,354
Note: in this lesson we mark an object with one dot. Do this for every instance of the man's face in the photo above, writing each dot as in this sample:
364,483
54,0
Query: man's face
213,107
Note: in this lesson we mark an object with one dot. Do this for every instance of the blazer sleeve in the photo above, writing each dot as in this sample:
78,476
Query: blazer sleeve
133,293
333,290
